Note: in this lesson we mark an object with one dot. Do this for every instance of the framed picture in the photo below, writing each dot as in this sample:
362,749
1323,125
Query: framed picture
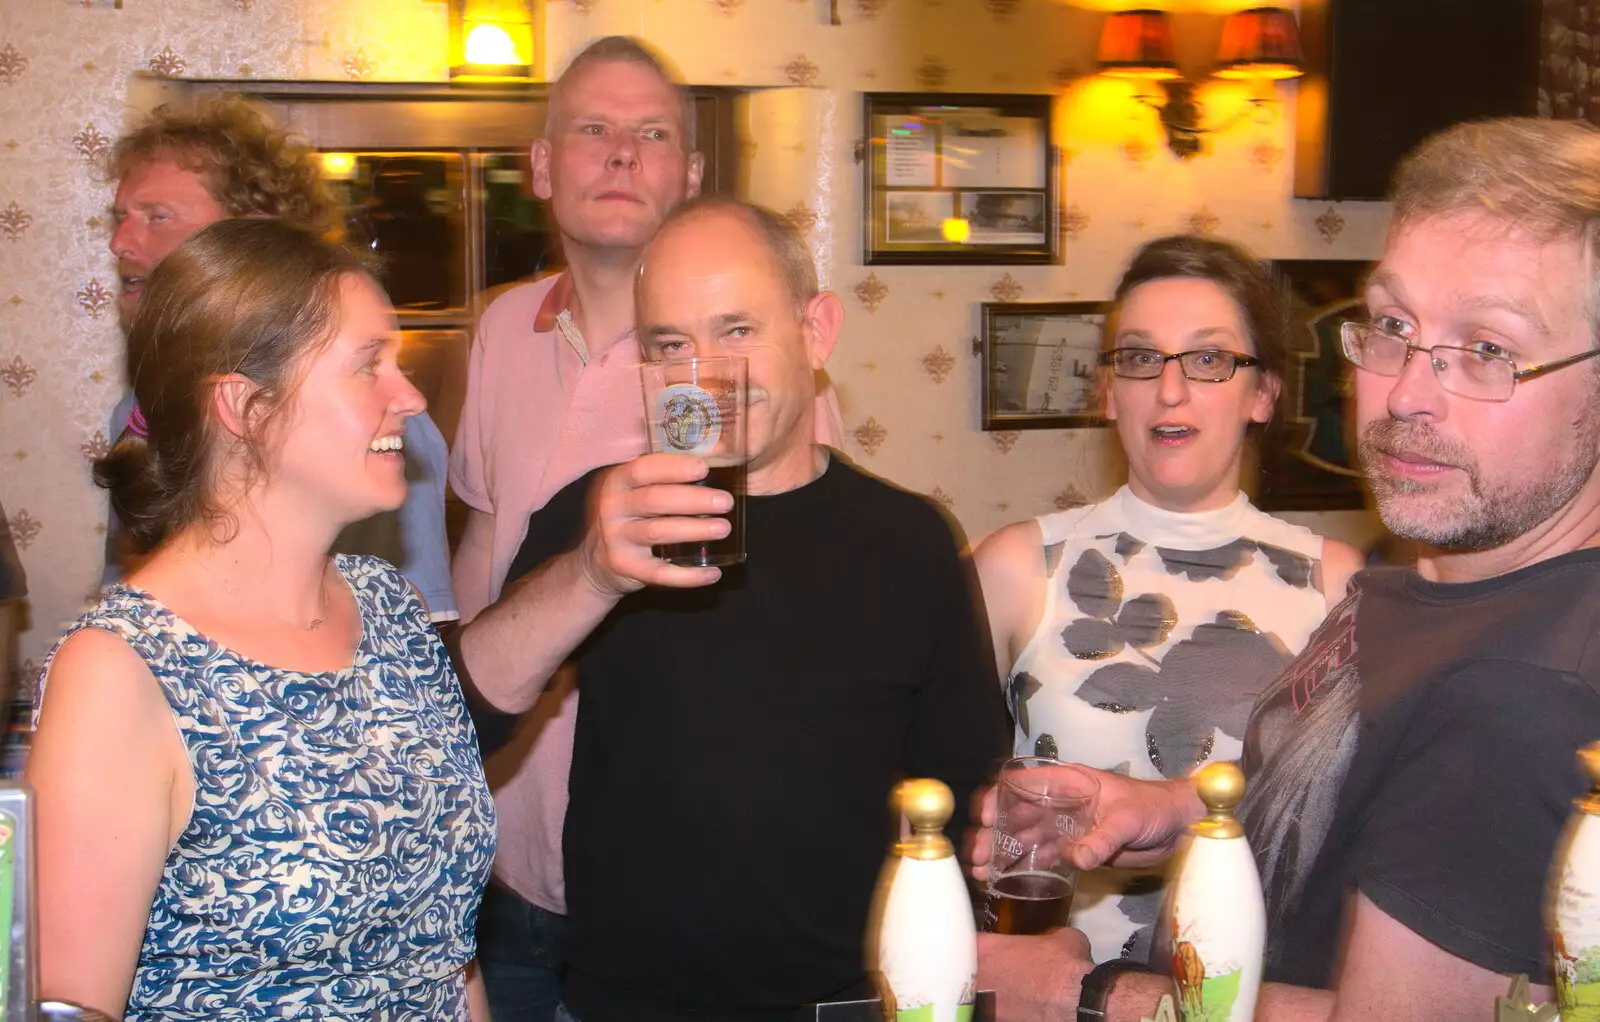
958,179
1040,362
1308,455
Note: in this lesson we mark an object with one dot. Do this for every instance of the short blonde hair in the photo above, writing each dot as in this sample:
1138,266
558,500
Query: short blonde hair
1539,178
625,49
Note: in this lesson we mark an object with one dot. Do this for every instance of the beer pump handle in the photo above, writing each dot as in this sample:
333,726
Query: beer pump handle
927,805
925,944
1573,900
1218,914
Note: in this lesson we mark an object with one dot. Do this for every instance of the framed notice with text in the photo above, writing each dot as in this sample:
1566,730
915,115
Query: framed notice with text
1040,364
958,179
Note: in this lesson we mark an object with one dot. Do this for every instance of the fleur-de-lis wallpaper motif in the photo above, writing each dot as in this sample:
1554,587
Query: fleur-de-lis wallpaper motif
1006,289
1001,10
871,435
943,499
244,5
24,528
1203,221
1064,74
1266,154
1137,152
932,73
872,292
1070,498
94,297
1005,439
13,65
1073,221
1330,225
800,71
167,63
358,66
15,221
96,447
800,218
938,363
869,8
18,375
727,7
91,143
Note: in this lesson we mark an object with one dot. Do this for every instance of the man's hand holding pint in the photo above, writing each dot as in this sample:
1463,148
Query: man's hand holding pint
644,503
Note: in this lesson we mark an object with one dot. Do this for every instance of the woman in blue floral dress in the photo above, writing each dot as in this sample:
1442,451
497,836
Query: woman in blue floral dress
259,794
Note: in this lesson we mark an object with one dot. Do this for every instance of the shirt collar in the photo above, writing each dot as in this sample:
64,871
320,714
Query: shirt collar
556,301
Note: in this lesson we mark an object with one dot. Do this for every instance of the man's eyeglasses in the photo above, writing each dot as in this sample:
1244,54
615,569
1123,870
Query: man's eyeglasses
1465,372
1206,365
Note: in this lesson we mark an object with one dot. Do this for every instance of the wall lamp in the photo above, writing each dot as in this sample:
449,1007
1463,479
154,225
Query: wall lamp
491,41
1261,45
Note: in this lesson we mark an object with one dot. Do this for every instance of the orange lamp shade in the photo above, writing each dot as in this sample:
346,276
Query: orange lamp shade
1137,44
1263,42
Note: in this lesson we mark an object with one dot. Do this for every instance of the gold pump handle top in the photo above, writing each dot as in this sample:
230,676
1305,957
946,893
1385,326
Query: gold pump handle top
1221,787
927,804
1589,760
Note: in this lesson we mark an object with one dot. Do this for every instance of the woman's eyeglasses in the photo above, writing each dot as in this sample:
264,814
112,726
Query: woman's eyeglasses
1205,365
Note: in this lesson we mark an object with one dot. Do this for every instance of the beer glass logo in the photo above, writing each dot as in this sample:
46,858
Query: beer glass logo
690,419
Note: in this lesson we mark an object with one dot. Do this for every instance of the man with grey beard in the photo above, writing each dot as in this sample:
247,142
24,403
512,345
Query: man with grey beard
1410,773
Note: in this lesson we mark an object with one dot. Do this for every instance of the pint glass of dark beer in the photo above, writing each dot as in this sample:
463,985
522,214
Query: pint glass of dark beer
697,406
1041,808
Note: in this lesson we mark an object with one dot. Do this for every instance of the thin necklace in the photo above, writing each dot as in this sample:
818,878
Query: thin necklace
240,599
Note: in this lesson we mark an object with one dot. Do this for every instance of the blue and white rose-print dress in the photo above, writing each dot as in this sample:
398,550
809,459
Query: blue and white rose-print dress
342,830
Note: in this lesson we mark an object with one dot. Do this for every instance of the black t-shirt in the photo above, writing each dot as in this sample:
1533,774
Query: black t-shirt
736,747
1422,750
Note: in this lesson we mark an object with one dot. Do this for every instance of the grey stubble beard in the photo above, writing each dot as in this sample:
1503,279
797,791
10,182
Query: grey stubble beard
1489,514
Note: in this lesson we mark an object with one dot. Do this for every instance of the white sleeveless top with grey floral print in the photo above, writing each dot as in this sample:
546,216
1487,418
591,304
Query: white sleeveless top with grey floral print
1158,631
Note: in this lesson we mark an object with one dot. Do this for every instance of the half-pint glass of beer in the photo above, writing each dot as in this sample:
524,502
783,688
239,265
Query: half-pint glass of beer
1041,809
697,406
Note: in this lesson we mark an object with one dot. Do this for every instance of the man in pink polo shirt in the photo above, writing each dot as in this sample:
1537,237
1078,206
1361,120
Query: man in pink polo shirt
552,393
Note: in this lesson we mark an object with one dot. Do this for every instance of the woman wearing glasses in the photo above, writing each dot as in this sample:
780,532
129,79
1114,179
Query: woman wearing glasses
1135,634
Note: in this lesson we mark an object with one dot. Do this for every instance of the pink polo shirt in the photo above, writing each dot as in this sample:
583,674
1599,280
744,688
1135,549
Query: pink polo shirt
543,408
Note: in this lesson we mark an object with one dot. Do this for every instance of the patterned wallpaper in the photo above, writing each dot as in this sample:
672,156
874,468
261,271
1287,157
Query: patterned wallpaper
904,367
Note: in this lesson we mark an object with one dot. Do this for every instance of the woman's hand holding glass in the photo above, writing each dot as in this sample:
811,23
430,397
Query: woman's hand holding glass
1129,823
